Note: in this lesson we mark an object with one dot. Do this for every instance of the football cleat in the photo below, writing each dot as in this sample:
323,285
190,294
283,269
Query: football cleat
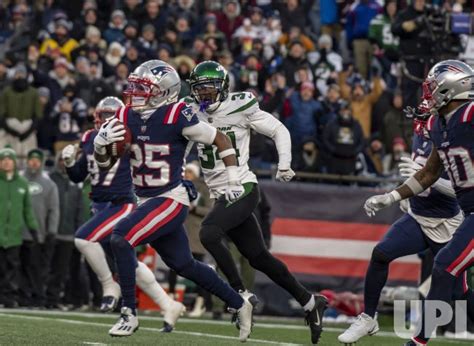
171,315
364,325
243,317
126,325
108,304
314,318
252,298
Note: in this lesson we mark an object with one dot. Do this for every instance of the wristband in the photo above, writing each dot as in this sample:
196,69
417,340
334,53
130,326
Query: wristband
414,185
100,150
227,152
395,196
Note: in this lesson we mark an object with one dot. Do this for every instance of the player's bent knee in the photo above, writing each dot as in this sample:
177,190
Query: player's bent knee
81,244
118,242
210,234
378,256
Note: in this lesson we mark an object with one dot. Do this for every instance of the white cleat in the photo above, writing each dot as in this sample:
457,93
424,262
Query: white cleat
171,315
364,325
244,317
126,325
110,298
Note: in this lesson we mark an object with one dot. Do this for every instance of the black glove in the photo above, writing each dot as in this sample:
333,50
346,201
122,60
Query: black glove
34,235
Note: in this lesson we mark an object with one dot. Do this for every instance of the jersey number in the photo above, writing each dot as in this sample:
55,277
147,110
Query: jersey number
208,159
94,172
144,157
458,165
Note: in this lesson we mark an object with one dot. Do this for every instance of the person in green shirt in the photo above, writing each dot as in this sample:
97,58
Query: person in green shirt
16,213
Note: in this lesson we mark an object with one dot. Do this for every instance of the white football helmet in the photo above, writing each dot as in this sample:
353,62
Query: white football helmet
153,84
106,108
448,80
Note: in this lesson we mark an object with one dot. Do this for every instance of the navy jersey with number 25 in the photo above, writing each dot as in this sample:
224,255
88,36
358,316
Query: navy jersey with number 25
454,141
158,147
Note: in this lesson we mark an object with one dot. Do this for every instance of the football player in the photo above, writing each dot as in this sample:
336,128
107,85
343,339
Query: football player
446,90
161,129
237,114
431,219
112,200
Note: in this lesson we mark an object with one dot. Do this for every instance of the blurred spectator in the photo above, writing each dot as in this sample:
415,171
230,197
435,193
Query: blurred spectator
301,113
274,95
391,161
293,13
148,40
295,59
376,154
385,44
344,140
187,9
227,60
132,57
60,40
3,76
357,32
59,78
244,36
184,35
415,50
326,63
69,113
20,112
307,159
184,65
93,88
89,18
396,124
16,214
119,80
15,37
44,134
117,23
252,74
330,105
273,32
211,31
131,34
36,256
133,9
155,15
229,19
71,215
114,55
295,34
92,42
362,100
329,18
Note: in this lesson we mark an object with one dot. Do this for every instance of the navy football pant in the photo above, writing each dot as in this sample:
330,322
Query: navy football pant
159,222
450,264
405,237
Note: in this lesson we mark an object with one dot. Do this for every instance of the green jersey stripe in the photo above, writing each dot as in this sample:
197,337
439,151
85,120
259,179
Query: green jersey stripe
244,107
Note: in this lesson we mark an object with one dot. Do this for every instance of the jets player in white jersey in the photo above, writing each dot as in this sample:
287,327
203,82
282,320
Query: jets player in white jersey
236,114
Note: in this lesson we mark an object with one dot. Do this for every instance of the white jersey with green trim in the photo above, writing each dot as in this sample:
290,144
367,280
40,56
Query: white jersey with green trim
235,117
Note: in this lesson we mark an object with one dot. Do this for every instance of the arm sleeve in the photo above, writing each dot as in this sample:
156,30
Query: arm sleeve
268,125
29,216
200,132
444,186
53,212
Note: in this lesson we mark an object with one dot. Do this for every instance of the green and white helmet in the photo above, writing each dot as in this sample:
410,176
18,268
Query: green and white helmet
209,82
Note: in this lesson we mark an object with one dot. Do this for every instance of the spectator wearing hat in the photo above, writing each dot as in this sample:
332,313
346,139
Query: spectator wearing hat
44,134
36,256
15,215
294,60
92,41
356,89
148,41
273,32
131,34
156,15
184,35
184,65
58,78
71,216
343,141
392,160
20,112
114,55
301,110
88,18
326,63
69,115
244,36
114,33
396,124
60,40
229,19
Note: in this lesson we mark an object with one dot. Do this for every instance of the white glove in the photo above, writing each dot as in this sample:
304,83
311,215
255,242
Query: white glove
69,155
378,202
109,133
408,167
234,191
285,175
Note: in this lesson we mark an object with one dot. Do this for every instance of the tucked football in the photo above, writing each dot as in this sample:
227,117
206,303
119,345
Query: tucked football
118,149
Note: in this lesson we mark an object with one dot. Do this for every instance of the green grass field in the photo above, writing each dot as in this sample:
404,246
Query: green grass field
30,327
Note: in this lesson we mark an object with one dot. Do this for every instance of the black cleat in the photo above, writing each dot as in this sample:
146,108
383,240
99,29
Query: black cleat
167,328
314,318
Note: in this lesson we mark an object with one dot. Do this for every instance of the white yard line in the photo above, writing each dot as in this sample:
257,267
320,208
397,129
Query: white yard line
62,320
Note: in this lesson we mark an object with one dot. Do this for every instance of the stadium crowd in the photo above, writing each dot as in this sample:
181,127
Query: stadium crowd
338,74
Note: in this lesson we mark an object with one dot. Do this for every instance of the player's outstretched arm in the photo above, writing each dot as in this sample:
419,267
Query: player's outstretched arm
413,186
76,169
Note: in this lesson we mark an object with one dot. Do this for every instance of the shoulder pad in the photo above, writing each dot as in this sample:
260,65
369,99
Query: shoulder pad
430,123
243,101
122,114
173,112
87,135
468,114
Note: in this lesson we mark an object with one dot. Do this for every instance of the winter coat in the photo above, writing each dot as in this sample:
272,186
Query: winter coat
23,105
16,211
359,17
302,122
45,201
70,206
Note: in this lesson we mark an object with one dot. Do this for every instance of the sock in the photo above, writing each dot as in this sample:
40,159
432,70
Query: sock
375,280
126,264
310,304
207,278
147,282
95,256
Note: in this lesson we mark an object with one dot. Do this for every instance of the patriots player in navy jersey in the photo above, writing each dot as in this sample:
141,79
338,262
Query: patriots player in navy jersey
429,222
447,91
112,200
161,130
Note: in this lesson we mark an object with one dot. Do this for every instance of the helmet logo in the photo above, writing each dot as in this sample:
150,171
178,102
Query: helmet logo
446,68
159,71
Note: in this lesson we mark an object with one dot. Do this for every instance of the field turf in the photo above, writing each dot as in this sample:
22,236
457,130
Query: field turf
35,327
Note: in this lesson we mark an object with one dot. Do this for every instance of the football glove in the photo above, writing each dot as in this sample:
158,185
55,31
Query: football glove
234,191
285,175
69,155
378,202
408,167
109,133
